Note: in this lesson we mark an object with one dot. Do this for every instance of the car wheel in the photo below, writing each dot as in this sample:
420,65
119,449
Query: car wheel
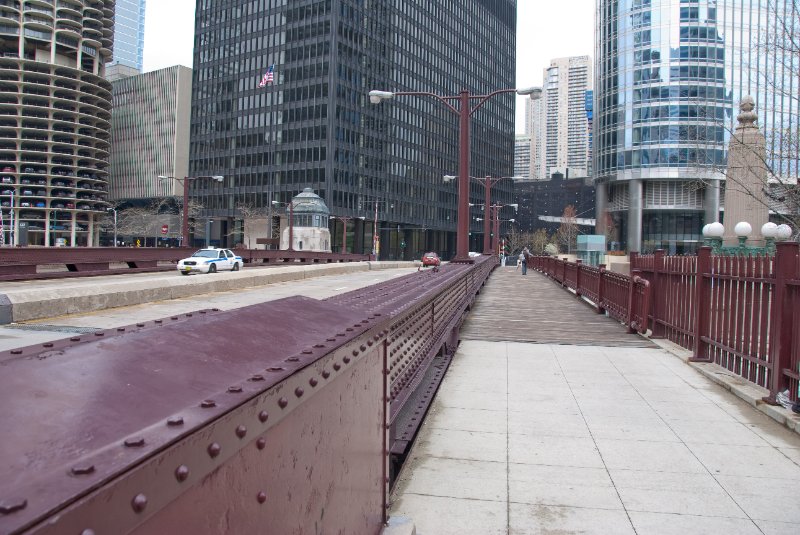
184,272
235,266
212,268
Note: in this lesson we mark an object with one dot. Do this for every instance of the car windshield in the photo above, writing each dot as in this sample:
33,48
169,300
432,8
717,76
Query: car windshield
205,253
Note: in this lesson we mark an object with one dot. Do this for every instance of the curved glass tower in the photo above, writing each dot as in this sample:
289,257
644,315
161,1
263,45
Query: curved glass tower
669,78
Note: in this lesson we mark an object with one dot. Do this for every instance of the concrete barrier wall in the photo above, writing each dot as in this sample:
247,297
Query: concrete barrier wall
64,297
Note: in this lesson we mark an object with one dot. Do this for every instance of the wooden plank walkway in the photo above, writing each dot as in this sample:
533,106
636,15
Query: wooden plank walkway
534,309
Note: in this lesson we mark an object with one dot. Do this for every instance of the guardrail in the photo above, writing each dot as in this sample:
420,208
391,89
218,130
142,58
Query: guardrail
23,263
283,414
624,298
741,313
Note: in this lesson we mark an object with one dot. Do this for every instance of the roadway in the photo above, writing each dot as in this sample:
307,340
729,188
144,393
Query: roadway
315,283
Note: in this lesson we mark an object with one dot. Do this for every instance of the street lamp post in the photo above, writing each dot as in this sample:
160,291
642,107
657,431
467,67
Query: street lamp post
185,218
291,222
496,208
110,209
464,111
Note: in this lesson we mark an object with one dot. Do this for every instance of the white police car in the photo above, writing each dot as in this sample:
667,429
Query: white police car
210,260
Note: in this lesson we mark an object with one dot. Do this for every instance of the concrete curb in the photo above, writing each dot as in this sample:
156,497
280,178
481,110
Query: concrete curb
399,525
744,390
75,297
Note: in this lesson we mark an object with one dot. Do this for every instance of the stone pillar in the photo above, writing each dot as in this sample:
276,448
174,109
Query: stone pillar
635,206
711,202
746,177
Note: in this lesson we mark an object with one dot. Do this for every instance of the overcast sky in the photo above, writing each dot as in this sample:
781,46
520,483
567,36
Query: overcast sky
545,30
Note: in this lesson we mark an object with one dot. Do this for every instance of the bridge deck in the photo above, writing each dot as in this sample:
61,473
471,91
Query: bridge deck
533,438
533,308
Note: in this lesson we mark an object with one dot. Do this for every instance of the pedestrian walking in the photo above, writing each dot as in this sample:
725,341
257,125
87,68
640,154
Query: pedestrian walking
523,261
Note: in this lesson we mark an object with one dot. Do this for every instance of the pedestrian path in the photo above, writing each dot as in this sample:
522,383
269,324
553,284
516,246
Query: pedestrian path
544,438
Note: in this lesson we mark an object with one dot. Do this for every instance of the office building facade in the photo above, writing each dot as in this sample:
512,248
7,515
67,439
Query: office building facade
150,134
670,76
566,141
129,33
535,129
313,125
55,112
523,149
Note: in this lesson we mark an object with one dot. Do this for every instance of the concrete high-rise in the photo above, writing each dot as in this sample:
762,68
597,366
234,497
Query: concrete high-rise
669,79
535,128
566,140
150,133
129,33
314,126
55,112
522,157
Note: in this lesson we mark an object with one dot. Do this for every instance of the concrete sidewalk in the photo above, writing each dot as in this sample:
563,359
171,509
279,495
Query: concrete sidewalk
535,438
31,300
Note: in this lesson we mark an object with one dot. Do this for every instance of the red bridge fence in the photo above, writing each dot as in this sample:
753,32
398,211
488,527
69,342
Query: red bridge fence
742,313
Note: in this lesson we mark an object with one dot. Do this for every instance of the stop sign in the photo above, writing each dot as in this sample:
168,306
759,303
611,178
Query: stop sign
164,229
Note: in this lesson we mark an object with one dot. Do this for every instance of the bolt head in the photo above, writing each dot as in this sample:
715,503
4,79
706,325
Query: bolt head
241,431
261,443
283,402
11,505
134,442
214,449
182,472
175,420
139,502
261,497
263,416
208,403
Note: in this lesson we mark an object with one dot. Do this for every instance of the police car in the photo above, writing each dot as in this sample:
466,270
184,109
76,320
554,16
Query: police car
210,260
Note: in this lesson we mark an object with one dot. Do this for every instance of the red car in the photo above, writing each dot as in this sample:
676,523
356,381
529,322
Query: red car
431,259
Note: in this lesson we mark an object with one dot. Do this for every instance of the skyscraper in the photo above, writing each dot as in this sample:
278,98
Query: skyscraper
55,112
669,80
129,33
566,141
313,126
535,129
522,157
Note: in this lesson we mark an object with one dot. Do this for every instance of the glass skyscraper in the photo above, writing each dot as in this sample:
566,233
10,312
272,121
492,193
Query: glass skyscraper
669,78
129,33
314,126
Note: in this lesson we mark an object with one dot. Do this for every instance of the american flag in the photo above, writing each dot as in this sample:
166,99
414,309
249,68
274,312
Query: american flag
268,76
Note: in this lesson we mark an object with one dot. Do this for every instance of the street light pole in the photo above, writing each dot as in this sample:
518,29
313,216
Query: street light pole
110,209
291,222
464,111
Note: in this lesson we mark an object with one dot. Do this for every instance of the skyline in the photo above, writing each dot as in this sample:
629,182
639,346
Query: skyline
169,38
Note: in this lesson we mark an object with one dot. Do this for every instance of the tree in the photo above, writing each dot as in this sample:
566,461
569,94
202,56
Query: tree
567,233
539,240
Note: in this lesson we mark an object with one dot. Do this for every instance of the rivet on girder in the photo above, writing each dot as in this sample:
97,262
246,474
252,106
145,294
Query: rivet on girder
347,359
215,310
208,403
121,329
263,416
48,344
318,346
158,321
326,374
363,347
275,369
337,366
188,314
299,392
99,334
139,502
16,351
282,403
140,324
11,505
82,469
202,312
312,382
173,318
241,431
182,472
214,449
261,443
370,342
257,377
307,352
349,329
340,334
331,339
293,359
134,442
261,497
235,389
75,339
175,420
87,532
